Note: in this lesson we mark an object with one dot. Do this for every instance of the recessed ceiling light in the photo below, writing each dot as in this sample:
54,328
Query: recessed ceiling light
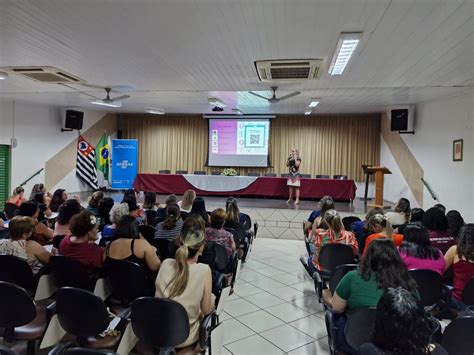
306,113
109,104
3,75
314,103
154,111
237,111
346,45
216,102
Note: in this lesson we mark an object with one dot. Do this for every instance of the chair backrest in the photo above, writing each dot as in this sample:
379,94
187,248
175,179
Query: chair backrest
253,173
127,280
222,258
359,326
468,293
340,177
17,271
334,254
430,286
68,272
157,220
6,351
162,245
184,214
80,312
338,273
209,255
323,176
348,220
159,322
16,306
86,351
147,231
164,171
270,174
306,176
199,172
234,233
456,338
57,239
248,221
150,216
181,171
215,172
284,175
239,228
11,210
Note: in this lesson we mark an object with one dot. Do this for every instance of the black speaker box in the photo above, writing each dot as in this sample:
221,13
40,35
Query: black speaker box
399,119
74,119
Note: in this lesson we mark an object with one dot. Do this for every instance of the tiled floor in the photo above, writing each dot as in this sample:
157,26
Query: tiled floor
274,309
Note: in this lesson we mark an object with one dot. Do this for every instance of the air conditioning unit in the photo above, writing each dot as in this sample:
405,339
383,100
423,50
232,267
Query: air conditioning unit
289,69
46,75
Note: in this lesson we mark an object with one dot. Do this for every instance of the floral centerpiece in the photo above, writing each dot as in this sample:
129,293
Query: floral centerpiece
229,172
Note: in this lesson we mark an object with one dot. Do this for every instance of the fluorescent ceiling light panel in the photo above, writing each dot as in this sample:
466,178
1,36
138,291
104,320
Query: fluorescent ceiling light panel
237,111
346,46
306,113
216,102
154,111
314,103
109,104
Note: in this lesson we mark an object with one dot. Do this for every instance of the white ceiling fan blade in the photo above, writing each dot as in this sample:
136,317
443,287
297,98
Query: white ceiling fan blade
258,95
290,95
119,98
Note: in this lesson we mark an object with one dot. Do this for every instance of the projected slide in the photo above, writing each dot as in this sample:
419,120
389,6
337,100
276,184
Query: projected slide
238,142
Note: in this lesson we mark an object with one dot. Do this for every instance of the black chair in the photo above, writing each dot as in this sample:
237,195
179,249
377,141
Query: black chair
457,337
84,315
10,210
164,171
359,326
239,228
150,216
215,172
336,276
247,222
332,255
253,173
199,172
348,221
323,176
306,176
159,323
215,255
181,171
340,177
5,351
157,220
147,231
430,286
20,319
18,272
184,214
71,349
270,174
163,247
468,293
127,280
284,175
57,239
68,272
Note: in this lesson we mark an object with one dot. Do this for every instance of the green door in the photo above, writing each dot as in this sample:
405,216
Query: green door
4,174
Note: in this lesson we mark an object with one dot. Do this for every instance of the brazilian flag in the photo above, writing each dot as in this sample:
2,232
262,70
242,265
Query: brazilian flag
102,156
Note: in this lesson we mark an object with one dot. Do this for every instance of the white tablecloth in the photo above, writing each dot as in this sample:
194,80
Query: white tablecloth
219,183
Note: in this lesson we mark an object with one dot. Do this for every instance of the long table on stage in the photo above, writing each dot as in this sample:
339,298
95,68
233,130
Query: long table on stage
245,186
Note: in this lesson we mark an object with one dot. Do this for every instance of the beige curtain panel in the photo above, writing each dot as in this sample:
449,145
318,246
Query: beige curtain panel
328,145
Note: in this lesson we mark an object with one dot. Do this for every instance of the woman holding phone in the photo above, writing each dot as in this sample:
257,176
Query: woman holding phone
294,179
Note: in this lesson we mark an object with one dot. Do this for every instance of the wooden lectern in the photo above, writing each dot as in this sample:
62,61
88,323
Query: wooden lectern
379,172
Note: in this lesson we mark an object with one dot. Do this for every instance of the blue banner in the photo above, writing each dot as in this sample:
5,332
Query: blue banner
124,163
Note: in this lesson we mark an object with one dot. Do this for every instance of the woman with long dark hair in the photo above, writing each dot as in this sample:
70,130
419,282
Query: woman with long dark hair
171,226
66,211
199,207
150,202
416,250
401,213
59,196
455,222
436,222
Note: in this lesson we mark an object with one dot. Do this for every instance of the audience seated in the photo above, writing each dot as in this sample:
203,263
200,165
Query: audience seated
187,202
17,197
171,226
416,215
455,222
105,206
199,207
129,245
116,213
161,211
58,198
80,245
382,228
325,204
217,233
94,201
66,211
19,244
317,212
41,233
379,269
461,257
232,211
40,199
362,229
334,233
150,202
435,220
401,213
401,326
187,282
134,209
39,188
416,250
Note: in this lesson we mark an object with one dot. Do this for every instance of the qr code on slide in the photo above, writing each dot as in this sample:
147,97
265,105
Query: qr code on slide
255,139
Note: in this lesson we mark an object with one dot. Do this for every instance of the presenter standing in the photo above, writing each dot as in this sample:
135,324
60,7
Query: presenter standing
294,180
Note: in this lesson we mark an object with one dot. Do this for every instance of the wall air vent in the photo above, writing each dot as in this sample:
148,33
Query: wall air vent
289,70
47,75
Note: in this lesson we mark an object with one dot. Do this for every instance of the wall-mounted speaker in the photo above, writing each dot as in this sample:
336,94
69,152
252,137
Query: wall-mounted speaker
74,119
402,118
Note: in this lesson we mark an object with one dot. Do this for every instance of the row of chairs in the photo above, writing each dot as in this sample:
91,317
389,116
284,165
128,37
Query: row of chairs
256,173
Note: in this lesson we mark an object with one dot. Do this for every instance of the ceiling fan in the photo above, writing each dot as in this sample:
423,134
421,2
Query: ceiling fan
274,99
109,100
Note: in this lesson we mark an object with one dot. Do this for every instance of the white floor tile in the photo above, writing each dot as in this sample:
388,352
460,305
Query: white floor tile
265,300
287,279
287,293
267,284
246,289
254,345
260,321
309,303
224,316
225,351
234,330
312,325
317,347
286,337
270,271
239,307
250,275
287,312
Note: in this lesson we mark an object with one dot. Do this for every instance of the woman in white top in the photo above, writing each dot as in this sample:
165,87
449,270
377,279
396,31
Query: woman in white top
187,202
185,281
401,213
